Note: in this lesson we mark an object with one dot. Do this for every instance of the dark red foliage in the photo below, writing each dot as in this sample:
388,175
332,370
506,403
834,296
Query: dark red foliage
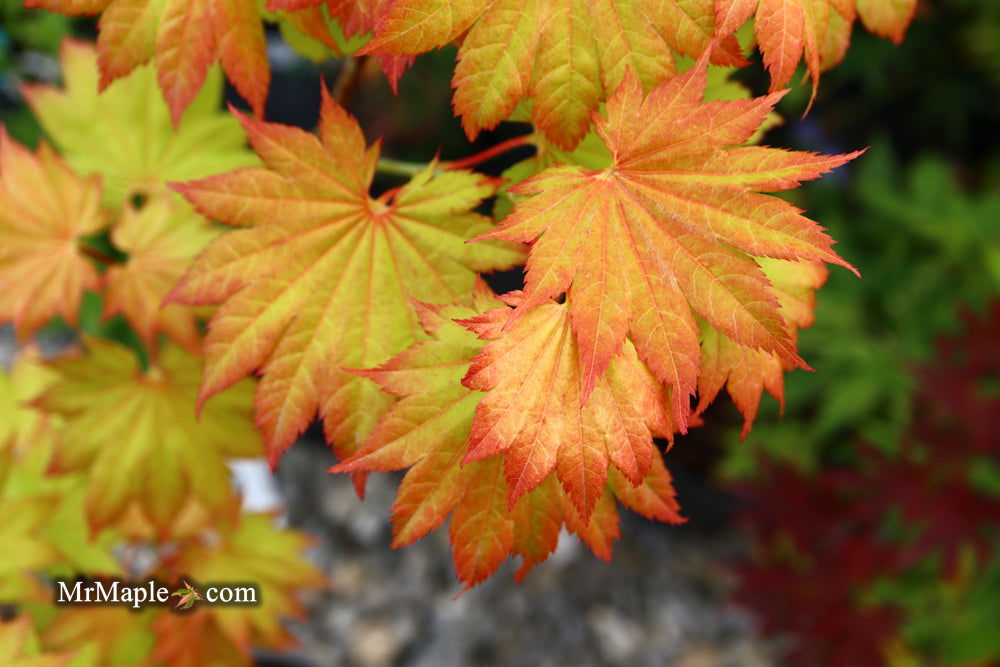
821,540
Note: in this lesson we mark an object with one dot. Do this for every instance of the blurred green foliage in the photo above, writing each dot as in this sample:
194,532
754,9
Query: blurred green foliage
919,216
925,248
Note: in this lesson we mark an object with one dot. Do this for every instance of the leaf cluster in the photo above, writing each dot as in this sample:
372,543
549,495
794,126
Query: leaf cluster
105,468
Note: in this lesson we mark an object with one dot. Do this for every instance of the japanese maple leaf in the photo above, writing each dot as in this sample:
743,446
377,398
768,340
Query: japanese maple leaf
746,372
429,431
160,239
817,31
534,413
670,227
321,276
188,596
136,433
567,56
250,551
45,211
124,133
887,18
184,38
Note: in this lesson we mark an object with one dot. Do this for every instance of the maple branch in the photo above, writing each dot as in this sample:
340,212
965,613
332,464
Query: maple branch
404,168
348,80
97,255
399,167
489,153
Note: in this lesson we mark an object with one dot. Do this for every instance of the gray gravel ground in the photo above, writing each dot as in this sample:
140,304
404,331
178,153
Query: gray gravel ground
661,601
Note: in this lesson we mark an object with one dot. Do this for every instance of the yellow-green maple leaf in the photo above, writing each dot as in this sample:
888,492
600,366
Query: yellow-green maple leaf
125,133
321,276
161,239
136,434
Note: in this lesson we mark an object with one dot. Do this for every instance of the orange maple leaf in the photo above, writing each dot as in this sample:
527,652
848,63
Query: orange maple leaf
818,31
535,413
185,38
566,55
745,372
321,276
670,227
431,431
45,211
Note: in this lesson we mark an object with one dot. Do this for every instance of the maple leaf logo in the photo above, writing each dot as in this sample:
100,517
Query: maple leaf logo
188,596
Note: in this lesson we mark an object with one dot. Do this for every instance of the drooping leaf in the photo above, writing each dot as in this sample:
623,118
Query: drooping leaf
565,55
670,227
357,19
45,211
160,239
136,434
887,18
534,412
183,39
430,431
745,372
817,31
125,134
321,277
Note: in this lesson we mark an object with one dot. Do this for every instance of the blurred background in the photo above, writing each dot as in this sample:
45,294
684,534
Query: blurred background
857,526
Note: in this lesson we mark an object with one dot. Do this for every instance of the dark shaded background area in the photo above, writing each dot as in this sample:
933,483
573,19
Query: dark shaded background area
784,523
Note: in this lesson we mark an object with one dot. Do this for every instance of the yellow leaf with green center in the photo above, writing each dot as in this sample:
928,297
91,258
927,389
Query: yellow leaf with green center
125,133
136,434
